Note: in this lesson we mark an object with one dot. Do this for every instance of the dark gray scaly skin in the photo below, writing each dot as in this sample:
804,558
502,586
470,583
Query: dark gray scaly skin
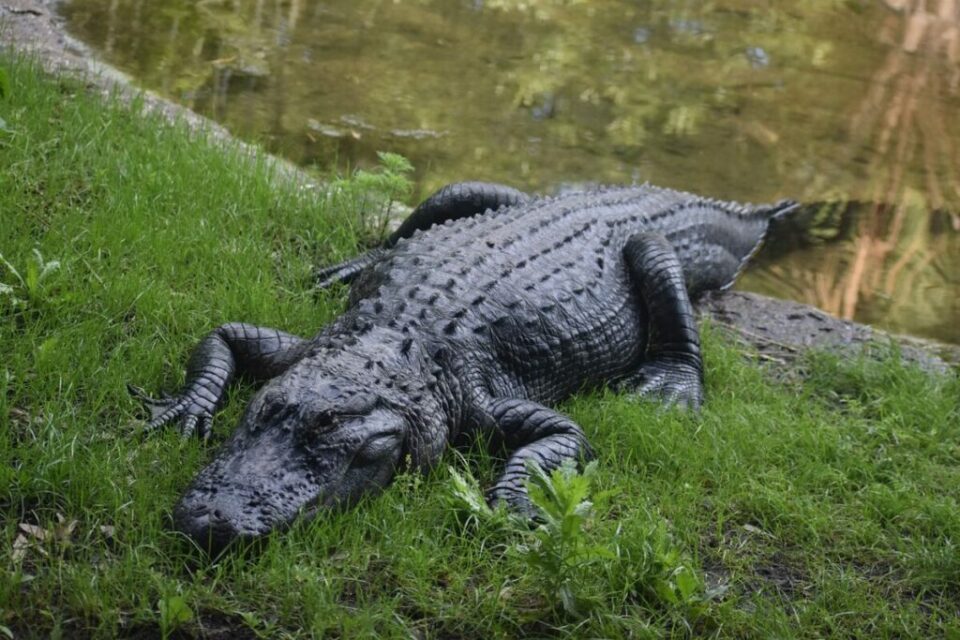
483,310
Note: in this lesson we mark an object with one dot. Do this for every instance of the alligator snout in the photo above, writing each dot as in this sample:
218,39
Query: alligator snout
219,522
210,530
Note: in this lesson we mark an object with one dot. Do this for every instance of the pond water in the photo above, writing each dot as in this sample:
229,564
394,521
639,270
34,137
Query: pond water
849,102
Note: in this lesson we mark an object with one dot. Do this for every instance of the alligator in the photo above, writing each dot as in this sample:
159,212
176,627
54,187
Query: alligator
483,310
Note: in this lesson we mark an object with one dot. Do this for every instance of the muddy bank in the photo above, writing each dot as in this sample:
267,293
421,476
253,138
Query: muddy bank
778,330
781,330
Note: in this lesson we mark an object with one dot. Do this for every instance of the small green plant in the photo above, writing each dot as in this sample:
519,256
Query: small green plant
561,550
660,574
466,495
174,612
31,288
375,194
579,565
258,625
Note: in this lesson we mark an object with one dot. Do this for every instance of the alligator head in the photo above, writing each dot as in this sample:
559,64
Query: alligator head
306,441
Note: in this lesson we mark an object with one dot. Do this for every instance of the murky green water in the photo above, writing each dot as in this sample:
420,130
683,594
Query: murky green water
853,101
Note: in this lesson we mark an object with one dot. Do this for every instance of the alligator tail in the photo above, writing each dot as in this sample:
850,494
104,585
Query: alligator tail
771,213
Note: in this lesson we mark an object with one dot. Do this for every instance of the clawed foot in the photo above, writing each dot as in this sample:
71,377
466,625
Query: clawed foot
516,501
185,409
672,382
329,276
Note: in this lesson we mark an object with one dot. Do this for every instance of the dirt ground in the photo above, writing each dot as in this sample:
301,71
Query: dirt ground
777,330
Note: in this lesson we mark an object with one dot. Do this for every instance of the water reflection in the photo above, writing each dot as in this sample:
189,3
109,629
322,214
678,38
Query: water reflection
892,259
848,101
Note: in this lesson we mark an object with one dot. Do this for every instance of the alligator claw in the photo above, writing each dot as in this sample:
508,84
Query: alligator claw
516,502
325,278
168,409
672,384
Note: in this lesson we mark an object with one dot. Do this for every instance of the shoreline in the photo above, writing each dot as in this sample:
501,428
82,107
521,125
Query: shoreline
33,27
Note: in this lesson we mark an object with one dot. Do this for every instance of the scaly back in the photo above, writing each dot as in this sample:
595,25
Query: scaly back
714,239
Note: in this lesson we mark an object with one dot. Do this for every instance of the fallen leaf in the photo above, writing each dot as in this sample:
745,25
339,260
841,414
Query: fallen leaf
22,543
757,530
20,546
39,533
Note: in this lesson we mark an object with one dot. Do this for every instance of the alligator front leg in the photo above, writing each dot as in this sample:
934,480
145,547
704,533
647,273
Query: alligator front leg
452,202
534,433
673,368
258,353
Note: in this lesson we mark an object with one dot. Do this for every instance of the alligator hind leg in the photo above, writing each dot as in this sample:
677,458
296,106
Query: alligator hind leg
258,353
455,201
452,202
673,368
534,433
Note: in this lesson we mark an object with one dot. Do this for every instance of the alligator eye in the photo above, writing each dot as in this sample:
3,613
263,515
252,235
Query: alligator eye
376,448
358,404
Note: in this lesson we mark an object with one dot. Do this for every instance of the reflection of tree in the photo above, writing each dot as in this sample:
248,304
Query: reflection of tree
906,128
904,114
905,281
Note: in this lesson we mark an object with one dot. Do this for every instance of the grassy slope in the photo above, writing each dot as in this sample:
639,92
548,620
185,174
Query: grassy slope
827,510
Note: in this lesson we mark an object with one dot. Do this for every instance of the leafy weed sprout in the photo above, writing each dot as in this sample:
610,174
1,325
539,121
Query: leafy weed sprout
30,289
174,612
374,194
573,555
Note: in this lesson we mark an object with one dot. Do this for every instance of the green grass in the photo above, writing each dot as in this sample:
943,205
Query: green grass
824,509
